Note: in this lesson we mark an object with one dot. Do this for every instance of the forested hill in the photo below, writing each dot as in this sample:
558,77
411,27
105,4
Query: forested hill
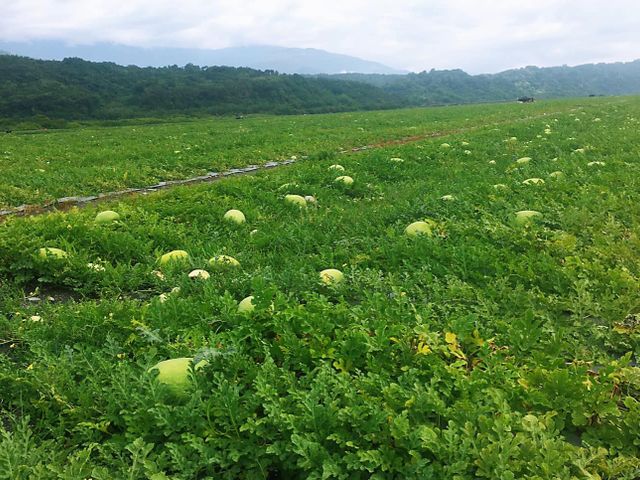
75,89
455,86
50,93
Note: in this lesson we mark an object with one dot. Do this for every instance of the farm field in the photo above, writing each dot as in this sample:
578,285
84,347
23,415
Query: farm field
492,346
42,166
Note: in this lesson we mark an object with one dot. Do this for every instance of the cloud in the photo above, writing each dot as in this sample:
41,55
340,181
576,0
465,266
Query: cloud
476,35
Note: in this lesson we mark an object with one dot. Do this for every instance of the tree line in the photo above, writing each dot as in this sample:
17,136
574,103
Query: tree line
441,87
40,93
50,93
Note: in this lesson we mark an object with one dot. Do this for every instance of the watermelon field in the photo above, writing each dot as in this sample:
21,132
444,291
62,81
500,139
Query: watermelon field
467,307
39,166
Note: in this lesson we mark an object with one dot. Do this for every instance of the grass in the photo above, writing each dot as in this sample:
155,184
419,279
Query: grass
488,350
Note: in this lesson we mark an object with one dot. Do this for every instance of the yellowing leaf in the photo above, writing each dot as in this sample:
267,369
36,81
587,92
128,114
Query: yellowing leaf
476,339
622,329
455,350
450,337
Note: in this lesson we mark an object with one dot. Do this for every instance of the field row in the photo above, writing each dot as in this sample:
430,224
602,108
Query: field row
40,167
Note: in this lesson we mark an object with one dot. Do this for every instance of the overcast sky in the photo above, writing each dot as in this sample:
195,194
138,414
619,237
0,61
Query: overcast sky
475,35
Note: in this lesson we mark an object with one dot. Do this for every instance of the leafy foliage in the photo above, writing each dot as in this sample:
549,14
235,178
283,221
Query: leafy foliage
487,350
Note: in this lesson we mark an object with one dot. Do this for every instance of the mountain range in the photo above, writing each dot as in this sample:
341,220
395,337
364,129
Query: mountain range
260,57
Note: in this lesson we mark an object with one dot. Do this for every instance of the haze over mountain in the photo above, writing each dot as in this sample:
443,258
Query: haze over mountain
259,57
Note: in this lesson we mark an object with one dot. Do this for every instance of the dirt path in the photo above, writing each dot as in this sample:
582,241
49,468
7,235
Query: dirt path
66,203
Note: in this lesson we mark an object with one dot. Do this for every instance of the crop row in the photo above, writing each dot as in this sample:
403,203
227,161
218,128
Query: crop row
42,166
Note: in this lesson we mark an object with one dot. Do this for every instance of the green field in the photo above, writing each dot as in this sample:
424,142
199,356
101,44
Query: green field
487,349
38,167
